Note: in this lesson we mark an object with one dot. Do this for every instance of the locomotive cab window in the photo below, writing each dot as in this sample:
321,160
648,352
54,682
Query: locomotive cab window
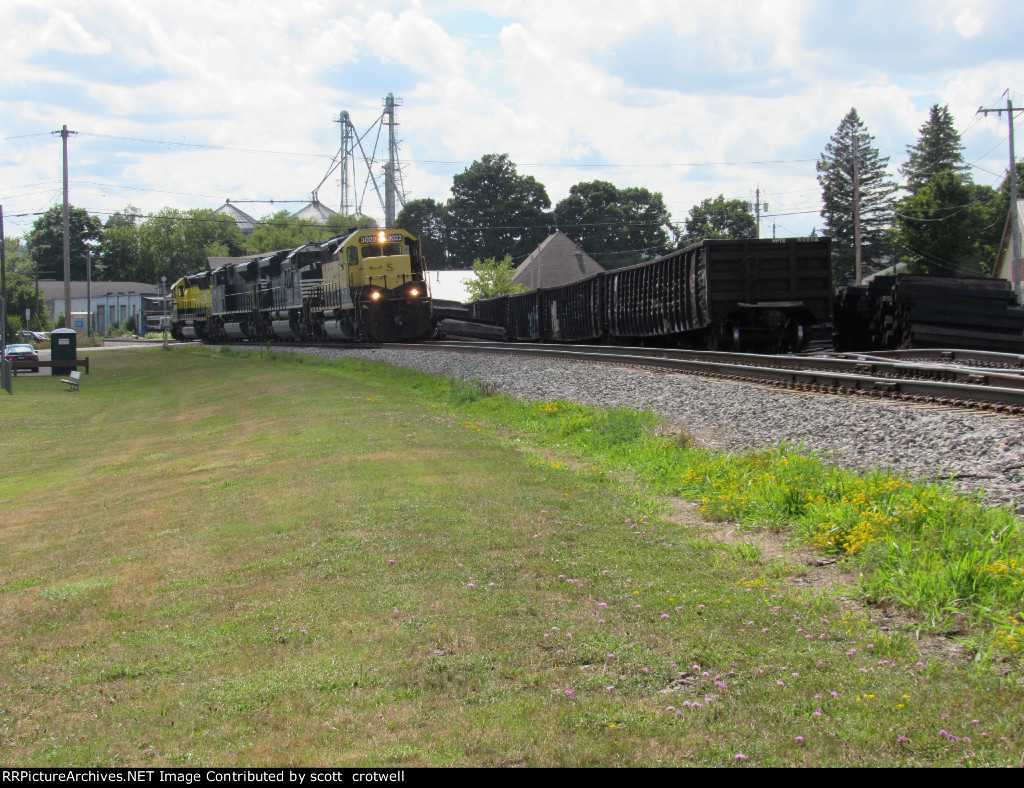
353,256
385,250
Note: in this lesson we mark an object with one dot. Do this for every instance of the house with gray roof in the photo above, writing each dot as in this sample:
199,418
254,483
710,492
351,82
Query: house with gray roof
557,261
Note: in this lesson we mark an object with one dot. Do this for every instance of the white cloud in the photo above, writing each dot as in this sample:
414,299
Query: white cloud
555,83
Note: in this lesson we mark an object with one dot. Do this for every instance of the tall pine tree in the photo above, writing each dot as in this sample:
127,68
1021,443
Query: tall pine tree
947,225
938,149
835,174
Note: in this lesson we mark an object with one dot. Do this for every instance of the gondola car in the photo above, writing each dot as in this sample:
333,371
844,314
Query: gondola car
365,286
763,295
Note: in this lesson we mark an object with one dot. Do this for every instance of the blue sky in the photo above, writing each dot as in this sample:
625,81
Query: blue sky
691,99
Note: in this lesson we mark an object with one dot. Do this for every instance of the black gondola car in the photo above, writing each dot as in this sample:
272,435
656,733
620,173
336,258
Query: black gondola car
742,295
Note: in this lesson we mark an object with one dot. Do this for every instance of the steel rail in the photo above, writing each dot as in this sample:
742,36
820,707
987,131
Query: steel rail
847,363
817,374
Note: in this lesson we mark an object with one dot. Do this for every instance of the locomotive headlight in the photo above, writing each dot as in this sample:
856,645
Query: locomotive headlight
414,292
381,236
375,295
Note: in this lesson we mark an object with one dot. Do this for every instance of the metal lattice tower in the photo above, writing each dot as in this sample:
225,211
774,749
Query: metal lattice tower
391,170
345,160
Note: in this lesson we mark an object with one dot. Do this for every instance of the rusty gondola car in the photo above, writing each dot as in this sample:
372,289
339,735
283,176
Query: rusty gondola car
764,295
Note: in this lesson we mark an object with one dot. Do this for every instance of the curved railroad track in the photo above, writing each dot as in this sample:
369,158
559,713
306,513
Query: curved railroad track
954,378
950,378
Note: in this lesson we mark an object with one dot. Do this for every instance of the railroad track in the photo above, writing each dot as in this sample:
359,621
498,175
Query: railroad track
950,378
955,379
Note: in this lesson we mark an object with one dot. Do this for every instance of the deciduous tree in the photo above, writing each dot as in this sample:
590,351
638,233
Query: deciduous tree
719,218
46,241
428,220
175,243
121,255
492,278
494,211
617,227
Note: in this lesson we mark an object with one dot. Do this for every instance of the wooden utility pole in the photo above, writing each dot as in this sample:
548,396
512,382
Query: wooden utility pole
3,266
1014,213
857,259
64,134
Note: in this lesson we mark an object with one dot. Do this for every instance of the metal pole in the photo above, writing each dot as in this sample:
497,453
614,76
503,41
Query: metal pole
389,167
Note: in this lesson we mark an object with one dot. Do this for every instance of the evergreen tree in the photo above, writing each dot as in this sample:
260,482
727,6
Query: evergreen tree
938,149
835,174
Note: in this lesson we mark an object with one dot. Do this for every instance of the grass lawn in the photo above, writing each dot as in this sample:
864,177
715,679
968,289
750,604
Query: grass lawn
214,559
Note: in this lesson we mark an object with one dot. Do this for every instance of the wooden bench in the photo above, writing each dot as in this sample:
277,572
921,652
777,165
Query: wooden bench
78,362
73,381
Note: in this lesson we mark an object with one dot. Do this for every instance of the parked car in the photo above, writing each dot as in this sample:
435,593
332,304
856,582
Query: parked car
35,336
21,353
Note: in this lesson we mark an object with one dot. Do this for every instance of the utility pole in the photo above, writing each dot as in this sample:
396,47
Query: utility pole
857,260
88,295
757,211
3,273
1014,213
64,134
5,367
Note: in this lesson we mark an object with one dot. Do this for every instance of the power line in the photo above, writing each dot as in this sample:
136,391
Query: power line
201,146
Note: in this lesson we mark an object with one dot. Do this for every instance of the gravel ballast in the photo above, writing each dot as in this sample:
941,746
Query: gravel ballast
973,451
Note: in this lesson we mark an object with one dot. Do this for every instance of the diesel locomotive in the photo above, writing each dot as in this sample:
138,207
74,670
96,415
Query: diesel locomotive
365,286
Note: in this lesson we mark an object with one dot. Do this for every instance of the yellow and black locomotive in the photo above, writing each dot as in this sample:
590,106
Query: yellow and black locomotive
367,286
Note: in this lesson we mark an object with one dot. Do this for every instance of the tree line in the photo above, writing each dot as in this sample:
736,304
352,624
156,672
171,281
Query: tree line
938,222
494,212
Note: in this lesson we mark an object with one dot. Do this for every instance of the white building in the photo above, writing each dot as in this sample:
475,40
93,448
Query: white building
110,302
1004,261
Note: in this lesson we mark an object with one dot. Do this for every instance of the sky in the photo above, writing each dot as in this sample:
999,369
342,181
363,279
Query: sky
189,103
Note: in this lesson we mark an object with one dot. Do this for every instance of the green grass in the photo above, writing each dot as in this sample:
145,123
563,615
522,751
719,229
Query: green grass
211,558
